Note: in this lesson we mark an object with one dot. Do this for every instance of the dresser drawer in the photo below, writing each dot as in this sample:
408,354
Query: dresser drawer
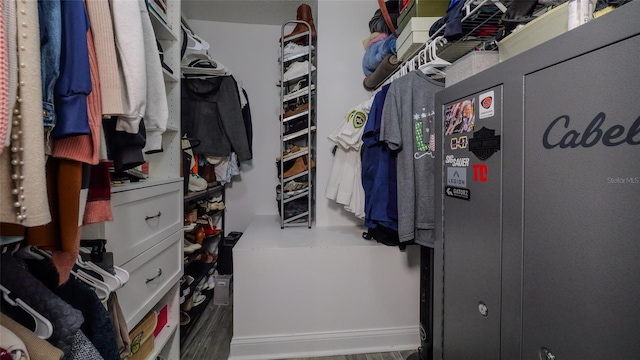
152,274
141,218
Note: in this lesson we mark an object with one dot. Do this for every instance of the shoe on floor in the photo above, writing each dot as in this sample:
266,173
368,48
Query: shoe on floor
297,69
197,183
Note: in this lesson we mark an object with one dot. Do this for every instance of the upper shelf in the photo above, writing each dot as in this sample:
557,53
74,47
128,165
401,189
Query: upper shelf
162,29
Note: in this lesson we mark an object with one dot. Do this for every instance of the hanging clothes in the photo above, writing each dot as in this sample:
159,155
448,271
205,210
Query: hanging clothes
33,209
379,171
74,83
105,48
211,113
65,319
37,348
407,129
345,179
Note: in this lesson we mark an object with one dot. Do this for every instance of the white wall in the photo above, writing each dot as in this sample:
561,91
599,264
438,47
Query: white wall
251,52
342,25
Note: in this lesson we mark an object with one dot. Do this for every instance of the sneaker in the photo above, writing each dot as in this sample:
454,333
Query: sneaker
197,183
292,188
292,49
189,247
299,89
297,69
293,150
211,282
199,300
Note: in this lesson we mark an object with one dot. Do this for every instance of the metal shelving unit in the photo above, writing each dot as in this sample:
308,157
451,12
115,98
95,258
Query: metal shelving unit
297,129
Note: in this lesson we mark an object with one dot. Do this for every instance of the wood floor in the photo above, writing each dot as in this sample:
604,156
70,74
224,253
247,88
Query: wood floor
211,339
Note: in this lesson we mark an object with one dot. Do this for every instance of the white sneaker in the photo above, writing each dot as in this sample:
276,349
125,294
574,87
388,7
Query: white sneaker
297,69
298,90
197,183
292,49
211,282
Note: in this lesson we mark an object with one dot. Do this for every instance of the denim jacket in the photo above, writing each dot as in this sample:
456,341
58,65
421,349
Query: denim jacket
50,40
74,82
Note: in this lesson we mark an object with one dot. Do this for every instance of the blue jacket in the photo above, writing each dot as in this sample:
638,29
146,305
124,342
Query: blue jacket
378,171
49,14
74,83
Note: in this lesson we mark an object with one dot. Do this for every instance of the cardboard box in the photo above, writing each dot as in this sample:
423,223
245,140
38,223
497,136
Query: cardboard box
422,8
469,65
413,36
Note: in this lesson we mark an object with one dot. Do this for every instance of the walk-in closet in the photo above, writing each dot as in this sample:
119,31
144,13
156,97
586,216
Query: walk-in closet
319,179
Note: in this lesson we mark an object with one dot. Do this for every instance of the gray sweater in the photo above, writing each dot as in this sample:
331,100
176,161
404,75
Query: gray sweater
406,129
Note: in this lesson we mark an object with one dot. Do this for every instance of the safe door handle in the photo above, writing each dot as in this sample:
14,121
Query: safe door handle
147,218
155,277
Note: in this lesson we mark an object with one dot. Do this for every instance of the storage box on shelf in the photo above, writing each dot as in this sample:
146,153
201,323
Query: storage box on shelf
422,8
413,36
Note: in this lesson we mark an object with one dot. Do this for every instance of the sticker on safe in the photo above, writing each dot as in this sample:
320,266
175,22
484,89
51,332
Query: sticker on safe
457,176
487,101
458,193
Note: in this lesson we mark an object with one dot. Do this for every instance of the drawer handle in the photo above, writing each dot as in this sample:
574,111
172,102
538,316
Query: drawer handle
147,218
155,277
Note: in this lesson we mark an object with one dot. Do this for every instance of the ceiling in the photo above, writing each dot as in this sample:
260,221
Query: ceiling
268,12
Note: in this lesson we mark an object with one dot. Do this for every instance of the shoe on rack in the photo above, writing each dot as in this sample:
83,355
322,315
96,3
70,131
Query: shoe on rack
197,183
199,299
292,49
187,305
190,247
184,318
211,282
292,150
297,125
299,89
296,111
304,14
299,166
292,188
297,69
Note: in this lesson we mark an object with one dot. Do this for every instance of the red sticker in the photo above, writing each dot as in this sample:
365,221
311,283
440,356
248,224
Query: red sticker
480,172
486,102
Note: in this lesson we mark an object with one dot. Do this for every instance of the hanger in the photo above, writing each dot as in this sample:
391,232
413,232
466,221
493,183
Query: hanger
44,329
112,281
101,289
435,62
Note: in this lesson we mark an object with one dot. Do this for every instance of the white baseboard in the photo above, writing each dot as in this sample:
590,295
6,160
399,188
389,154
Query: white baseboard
325,343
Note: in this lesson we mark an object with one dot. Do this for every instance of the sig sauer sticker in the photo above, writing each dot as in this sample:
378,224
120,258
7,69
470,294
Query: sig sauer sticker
458,193
486,105
484,143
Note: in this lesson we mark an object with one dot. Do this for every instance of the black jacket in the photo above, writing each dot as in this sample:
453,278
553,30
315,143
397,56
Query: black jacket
211,113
